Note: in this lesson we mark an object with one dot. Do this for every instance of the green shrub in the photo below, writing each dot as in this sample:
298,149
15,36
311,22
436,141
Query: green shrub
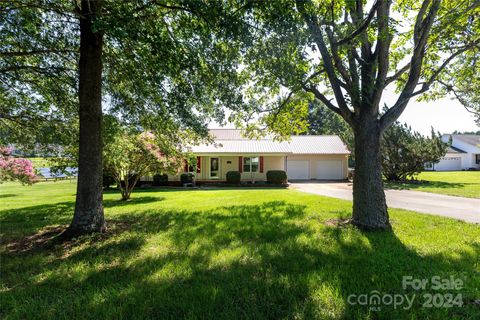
160,179
186,177
233,177
277,176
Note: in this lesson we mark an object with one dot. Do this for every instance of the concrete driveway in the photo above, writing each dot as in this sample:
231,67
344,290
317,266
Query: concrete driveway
465,209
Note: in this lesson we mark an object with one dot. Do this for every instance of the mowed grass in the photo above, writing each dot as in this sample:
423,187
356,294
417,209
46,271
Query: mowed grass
39,162
453,183
253,254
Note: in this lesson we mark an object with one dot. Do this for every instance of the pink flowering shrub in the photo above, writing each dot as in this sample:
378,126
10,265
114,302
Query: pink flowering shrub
128,157
15,169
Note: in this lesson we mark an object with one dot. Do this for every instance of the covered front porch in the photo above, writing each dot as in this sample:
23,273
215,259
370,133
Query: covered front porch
253,167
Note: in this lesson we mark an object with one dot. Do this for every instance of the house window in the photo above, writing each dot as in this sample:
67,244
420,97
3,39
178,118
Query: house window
250,164
477,158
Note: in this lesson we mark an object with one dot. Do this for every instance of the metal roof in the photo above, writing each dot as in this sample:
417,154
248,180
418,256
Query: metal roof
242,146
232,141
454,150
318,145
472,139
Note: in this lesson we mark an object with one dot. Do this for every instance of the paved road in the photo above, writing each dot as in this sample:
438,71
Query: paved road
460,208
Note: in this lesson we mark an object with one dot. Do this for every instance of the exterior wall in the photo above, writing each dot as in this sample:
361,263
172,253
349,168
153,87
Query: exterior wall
469,161
313,158
269,163
227,163
468,158
230,163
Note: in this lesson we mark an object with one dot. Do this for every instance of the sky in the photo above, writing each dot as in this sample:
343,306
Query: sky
445,115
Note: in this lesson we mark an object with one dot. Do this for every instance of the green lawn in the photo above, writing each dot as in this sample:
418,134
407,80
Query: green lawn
39,162
454,183
223,254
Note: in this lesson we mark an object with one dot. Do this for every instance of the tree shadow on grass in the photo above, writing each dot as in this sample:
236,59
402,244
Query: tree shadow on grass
7,195
266,261
133,201
28,220
423,184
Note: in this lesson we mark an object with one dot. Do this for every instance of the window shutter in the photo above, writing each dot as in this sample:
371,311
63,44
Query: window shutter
261,164
199,164
240,164
185,166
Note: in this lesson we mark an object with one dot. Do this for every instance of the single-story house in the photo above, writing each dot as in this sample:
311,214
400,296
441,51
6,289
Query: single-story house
463,154
306,157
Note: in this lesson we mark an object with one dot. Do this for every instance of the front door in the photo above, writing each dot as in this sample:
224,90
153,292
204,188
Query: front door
214,168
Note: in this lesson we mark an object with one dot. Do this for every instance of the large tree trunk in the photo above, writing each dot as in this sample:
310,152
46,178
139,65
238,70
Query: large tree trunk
369,205
88,216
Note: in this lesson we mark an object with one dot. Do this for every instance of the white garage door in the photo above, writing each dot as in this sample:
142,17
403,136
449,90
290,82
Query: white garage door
449,164
297,170
329,170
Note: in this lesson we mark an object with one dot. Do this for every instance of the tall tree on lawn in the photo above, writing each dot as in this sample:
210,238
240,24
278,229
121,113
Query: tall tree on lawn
88,215
345,54
138,56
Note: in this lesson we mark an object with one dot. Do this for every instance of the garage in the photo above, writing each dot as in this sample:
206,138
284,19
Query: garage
449,164
329,170
298,170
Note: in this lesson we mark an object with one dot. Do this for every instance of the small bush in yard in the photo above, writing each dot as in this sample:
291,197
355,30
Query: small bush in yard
277,176
233,177
160,179
186,177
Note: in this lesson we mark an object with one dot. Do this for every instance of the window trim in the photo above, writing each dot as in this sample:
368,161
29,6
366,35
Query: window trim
250,165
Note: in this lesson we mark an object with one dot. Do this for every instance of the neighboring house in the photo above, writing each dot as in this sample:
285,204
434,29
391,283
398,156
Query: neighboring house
303,157
463,154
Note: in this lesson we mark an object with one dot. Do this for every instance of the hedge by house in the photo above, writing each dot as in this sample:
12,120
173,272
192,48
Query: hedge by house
186,177
233,177
160,179
277,176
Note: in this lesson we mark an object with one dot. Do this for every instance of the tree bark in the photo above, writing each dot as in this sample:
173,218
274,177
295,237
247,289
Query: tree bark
88,216
369,205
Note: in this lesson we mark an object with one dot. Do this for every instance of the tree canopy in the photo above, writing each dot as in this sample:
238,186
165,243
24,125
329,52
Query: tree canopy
345,54
162,63
148,63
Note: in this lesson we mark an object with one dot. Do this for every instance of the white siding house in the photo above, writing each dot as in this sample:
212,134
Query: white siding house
463,154
303,157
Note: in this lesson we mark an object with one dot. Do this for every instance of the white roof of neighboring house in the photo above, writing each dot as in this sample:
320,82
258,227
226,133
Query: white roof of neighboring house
454,150
472,139
232,141
466,143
